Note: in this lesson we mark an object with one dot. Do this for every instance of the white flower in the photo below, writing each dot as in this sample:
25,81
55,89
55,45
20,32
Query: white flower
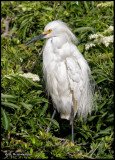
89,45
6,76
107,4
24,8
30,75
77,2
99,38
107,40
95,36
100,55
110,29
21,59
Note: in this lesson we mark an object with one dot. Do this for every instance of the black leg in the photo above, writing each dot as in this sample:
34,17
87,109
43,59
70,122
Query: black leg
72,119
51,122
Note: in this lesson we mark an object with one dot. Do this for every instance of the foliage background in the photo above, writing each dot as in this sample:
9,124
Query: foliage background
26,108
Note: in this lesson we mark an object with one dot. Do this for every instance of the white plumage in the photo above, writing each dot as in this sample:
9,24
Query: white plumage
66,72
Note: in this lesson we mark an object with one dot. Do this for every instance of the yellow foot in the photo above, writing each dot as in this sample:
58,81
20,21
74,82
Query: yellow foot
71,144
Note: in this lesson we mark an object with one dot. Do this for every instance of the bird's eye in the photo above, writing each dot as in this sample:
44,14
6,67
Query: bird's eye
49,30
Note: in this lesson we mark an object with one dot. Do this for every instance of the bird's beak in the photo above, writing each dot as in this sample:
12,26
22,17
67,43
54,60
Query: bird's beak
35,39
38,37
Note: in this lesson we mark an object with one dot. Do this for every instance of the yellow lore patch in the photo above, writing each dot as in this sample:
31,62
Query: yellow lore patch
47,32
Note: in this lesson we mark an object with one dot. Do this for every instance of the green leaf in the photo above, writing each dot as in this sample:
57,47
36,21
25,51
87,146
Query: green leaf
23,81
83,29
11,105
101,106
38,100
8,96
6,66
27,106
53,121
91,118
16,79
99,123
48,8
110,118
31,150
38,92
84,135
105,131
24,22
86,5
6,119
104,114
44,109
32,83
24,31
40,119
101,80
19,79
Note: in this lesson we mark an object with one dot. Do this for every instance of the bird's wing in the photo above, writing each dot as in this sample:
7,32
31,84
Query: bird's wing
78,76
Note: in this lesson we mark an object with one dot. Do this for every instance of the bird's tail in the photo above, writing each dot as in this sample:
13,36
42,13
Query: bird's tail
88,100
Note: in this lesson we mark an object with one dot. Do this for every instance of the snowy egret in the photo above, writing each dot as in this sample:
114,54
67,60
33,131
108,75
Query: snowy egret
66,73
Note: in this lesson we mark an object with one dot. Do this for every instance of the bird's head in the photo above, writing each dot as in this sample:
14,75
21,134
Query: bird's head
53,29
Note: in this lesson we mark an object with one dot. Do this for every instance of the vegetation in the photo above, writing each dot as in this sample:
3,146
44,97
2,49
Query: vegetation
26,108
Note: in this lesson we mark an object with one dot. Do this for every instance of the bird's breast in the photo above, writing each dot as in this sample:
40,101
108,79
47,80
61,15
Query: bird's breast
55,71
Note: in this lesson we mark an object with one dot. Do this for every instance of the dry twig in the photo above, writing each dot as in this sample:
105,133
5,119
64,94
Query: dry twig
7,23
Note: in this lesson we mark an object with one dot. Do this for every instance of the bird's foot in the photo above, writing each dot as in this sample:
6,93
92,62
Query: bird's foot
71,144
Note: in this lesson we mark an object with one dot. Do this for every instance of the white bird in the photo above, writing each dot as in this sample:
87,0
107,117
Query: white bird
66,73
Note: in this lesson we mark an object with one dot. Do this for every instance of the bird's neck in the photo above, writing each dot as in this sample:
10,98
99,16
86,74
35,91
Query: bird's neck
59,40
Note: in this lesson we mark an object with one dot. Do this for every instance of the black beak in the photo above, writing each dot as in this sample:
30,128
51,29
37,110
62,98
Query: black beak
35,39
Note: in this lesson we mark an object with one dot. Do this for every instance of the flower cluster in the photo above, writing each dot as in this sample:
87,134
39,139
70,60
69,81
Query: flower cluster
30,75
107,4
89,45
109,30
99,38
107,40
